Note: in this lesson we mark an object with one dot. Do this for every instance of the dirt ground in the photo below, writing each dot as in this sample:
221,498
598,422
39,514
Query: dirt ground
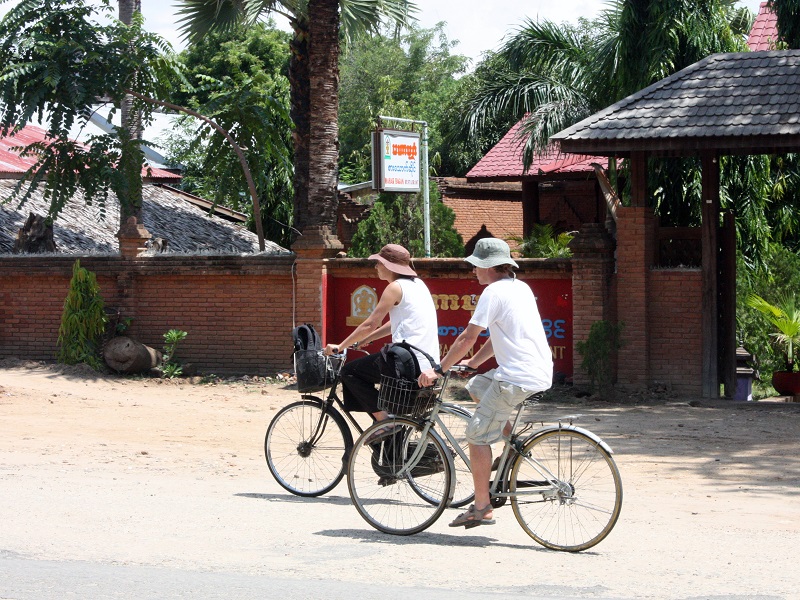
171,474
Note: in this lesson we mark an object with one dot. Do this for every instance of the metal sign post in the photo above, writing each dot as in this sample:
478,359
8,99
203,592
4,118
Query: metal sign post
424,176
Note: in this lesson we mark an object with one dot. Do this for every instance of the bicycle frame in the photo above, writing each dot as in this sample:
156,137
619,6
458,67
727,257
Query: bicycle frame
330,400
549,487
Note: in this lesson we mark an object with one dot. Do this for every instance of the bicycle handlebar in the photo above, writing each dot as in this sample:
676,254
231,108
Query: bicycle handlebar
462,369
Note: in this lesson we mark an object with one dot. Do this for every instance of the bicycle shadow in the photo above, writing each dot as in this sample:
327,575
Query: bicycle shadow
430,539
336,500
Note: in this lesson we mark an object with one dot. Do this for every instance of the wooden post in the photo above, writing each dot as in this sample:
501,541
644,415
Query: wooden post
530,206
727,297
710,246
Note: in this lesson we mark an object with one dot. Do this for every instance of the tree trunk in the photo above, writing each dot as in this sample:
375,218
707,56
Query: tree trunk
323,65
125,355
300,94
130,196
35,236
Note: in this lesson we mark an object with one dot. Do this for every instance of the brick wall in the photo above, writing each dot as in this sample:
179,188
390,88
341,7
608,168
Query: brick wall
486,218
237,310
675,341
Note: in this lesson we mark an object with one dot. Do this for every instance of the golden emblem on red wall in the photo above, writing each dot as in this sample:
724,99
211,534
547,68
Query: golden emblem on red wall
363,301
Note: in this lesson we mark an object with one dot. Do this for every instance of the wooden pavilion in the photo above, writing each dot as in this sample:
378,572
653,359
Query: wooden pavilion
726,104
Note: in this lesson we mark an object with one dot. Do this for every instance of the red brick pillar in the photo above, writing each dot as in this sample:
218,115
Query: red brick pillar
592,270
635,252
132,238
310,295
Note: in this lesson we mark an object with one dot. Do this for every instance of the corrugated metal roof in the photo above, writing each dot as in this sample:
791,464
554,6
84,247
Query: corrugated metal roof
764,32
12,165
82,229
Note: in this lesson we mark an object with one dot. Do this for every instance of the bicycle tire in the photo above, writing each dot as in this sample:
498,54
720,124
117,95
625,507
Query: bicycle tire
385,495
302,465
585,508
456,418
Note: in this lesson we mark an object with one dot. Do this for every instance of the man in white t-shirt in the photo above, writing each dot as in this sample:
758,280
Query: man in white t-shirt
507,308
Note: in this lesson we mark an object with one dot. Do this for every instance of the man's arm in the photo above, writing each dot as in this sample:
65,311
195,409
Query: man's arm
458,350
372,328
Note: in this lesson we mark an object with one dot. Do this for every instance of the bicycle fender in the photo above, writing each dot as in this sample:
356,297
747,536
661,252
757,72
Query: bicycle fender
433,433
547,429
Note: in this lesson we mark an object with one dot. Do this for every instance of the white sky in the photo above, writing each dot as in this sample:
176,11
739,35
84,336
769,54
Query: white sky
478,25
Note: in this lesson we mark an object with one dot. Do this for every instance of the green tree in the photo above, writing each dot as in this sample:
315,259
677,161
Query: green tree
313,76
411,76
787,12
398,219
246,92
57,60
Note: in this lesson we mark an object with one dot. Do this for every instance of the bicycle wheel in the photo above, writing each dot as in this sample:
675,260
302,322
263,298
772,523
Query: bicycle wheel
389,493
305,445
456,419
582,507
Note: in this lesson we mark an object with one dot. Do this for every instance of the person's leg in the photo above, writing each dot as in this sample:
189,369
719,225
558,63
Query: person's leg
480,459
359,380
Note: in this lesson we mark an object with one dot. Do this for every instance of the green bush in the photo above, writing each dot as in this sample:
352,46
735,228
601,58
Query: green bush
399,219
83,321
172,368
779,279
598,351
543,242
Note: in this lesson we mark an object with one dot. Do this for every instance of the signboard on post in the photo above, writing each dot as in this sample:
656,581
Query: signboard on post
396,161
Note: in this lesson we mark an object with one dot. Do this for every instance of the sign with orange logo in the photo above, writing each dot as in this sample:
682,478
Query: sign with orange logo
396,161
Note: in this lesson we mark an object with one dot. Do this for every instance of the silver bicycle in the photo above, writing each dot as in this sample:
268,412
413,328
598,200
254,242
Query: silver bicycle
564,486
308,442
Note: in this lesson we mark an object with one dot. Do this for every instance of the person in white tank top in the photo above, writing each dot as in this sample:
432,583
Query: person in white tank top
412,318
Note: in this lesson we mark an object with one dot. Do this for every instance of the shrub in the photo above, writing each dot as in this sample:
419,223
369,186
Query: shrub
83,321
598,351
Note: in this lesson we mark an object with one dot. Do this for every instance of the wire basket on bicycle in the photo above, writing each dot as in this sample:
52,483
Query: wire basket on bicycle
404,397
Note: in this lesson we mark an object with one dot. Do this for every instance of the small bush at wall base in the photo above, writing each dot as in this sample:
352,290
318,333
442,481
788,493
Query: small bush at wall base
598,352
171,367
83,321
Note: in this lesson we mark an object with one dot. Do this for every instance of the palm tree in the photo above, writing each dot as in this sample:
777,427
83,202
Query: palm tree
556,75
553,76
131,200
313,79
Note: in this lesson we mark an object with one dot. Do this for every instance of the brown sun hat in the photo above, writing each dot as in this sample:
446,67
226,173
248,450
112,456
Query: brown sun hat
395,258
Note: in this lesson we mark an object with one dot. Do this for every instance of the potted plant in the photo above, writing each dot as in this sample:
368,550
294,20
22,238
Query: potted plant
785,317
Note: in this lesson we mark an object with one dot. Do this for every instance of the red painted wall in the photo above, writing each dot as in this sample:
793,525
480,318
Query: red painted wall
352,298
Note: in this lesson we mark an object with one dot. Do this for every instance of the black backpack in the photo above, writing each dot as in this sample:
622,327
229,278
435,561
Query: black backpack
401,362
306,338
310,365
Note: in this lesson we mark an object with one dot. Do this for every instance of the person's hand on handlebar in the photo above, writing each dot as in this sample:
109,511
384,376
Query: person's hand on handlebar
427,378
331,349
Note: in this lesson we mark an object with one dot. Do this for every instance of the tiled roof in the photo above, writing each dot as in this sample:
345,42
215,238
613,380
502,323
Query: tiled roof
746,102
505,161
764,32
13,165
166,213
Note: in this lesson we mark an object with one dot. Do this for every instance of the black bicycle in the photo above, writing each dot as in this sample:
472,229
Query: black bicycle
308,442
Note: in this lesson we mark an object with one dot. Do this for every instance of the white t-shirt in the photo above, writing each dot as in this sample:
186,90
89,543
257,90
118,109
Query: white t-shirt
414,320
507,308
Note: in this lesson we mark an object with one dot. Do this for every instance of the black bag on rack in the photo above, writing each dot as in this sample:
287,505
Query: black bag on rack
310,364
399,391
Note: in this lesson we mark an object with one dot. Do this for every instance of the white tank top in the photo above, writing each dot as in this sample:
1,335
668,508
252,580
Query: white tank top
414,320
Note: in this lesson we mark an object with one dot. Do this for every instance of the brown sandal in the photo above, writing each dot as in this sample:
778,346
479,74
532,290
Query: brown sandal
473,517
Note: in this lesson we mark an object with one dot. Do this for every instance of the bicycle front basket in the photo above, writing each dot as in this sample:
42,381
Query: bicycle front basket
314,370
404,397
